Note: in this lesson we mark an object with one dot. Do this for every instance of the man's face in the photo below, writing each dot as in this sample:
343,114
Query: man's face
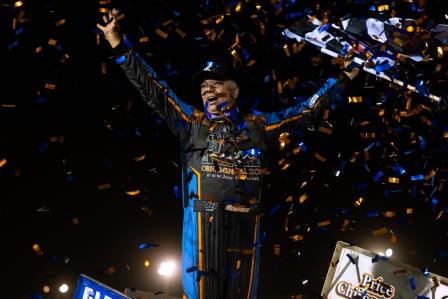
215,92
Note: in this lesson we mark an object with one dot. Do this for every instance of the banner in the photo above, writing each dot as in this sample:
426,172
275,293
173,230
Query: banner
88,288
356,273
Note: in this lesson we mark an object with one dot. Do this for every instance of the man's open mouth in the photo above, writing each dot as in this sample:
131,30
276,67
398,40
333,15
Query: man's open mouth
212,99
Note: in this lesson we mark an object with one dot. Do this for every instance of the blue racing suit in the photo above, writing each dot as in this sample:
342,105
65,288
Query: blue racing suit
222,169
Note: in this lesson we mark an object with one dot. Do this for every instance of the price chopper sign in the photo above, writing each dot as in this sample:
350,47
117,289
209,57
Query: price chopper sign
356,273
88,288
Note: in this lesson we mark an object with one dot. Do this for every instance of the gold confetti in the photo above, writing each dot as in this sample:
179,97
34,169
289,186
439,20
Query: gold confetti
140,158
410,29
219,20
180,32
359,202
285,165
64,58
283,139
323,223
206,21
210,219
277,249
37,249
8,105
104,186
430,175
439,52
368,135
238,7
320,157
133,192
103,2
52,42
50,86
296,238
383,7
238,264
46,289
345,225
409,211
103,10
103,68
355,99
303,197
297,150
366,155
439,215
161,33
354,157
147,263
280,87
380,232
389,214
325,130
75,220
38,50
3,162
144,39
18,4
60,22
393,180
286,49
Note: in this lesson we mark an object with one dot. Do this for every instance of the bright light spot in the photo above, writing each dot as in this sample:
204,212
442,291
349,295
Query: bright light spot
389,252
63,288
46,289
166,268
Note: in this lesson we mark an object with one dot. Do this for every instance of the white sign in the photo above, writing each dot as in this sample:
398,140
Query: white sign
356,273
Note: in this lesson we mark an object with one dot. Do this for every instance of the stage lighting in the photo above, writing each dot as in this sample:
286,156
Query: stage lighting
63,288
389,252
166,268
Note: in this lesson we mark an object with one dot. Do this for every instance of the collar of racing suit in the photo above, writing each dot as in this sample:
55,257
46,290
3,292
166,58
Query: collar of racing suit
226,111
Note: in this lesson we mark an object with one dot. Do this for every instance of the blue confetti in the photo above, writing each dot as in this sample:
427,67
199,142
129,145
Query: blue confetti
176,191
412,283
372,214
378,176
13,45
398,169
418,177
274,209
147,245
120,60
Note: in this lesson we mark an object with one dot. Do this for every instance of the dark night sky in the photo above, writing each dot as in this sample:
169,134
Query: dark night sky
71,152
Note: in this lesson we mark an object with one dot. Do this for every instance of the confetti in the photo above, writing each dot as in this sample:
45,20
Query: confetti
147,245
133,192
37,249
104,186
3,162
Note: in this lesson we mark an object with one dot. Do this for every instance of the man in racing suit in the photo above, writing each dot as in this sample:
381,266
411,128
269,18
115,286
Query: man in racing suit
223,155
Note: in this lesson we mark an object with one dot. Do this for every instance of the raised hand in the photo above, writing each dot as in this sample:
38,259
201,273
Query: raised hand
111,28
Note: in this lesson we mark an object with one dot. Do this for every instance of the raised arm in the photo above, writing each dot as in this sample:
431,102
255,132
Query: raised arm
306,114
155,92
